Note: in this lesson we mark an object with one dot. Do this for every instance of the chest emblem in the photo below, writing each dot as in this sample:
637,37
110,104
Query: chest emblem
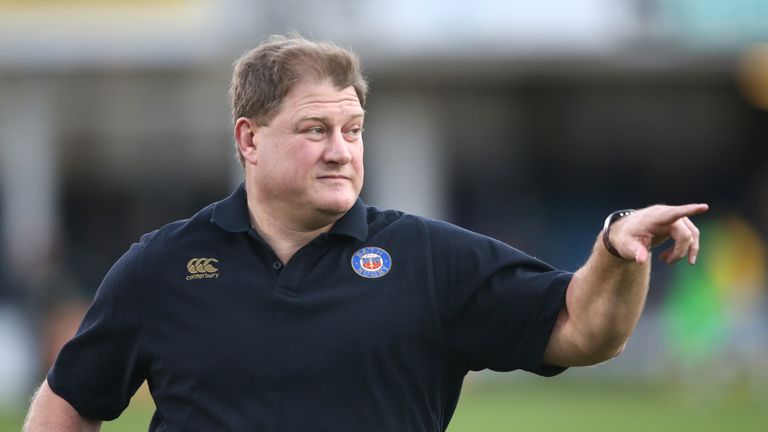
371,262
202,268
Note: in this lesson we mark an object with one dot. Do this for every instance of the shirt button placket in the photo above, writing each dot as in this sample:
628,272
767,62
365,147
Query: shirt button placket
284,282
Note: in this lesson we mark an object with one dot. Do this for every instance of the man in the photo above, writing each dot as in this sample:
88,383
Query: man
291,305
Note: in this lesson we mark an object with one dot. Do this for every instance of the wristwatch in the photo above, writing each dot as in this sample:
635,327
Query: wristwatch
613,217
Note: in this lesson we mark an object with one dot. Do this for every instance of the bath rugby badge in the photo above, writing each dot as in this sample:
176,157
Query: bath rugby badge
371,262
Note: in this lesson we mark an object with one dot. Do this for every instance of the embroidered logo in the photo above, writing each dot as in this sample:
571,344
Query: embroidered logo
202,268
371,262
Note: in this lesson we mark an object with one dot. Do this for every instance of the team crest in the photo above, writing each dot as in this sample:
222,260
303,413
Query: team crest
371,262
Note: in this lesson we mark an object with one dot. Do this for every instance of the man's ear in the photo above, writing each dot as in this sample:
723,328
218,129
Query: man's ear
245,137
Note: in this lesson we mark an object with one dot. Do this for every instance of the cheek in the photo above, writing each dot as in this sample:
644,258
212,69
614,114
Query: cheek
358,154
298,160
281,169
357,160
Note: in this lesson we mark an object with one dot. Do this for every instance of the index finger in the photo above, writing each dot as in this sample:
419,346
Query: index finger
676,212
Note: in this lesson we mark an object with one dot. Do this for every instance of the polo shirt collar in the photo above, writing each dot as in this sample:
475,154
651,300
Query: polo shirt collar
354,223
231,214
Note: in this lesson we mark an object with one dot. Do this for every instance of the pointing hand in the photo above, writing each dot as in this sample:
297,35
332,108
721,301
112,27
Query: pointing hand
635,235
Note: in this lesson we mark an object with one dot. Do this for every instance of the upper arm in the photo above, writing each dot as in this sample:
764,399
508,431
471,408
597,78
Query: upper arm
497,304
50,412
103,365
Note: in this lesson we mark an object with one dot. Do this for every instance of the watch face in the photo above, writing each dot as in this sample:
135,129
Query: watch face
613,217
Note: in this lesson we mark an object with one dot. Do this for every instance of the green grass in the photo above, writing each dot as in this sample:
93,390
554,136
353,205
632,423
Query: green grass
557,404
10,422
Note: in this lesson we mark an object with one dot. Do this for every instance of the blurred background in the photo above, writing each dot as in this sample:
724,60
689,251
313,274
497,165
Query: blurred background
527,121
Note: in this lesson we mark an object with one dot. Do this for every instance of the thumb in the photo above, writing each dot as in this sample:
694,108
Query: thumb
640,252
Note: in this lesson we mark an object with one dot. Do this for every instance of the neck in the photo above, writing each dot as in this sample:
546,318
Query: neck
284,230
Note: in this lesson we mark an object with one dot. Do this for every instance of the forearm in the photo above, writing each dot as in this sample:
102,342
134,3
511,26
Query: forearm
50,413
604,301
602,306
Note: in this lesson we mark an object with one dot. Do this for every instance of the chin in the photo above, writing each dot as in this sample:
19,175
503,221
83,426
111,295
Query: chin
336,205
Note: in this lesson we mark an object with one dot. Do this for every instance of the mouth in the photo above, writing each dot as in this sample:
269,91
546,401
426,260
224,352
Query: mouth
333,177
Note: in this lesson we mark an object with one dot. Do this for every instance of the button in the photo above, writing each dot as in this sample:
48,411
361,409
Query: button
277,265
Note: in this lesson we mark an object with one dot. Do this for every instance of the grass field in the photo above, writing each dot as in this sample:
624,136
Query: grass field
557,405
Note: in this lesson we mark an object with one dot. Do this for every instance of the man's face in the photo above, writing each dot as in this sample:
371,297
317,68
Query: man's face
309,159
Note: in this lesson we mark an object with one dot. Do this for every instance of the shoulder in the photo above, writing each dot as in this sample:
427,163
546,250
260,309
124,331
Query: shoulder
451,234
438,233
394,222
179,234
379,218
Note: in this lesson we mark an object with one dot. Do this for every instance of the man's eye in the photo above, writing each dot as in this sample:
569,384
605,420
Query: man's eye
355,132
317,130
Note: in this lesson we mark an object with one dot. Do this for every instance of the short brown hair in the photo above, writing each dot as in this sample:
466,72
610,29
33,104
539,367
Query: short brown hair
264,75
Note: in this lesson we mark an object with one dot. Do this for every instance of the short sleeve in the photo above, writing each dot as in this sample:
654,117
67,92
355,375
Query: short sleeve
99,369
497,305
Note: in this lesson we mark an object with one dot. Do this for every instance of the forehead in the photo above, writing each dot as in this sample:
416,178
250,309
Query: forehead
312,98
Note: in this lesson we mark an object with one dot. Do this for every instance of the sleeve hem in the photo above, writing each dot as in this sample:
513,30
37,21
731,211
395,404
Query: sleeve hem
547,320
84,405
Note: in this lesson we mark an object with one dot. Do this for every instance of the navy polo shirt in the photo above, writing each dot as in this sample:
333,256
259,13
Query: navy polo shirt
370,327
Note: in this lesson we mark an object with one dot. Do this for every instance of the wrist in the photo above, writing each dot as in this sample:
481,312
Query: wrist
606,233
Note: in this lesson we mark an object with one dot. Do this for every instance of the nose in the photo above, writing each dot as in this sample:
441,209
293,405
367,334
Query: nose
337,149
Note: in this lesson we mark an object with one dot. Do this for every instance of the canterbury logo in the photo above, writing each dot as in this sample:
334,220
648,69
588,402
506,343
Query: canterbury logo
202,268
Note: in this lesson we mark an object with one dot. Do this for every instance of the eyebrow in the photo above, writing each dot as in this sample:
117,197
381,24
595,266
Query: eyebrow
324,119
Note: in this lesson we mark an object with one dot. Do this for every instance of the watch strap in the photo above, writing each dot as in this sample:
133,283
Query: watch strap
613,217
